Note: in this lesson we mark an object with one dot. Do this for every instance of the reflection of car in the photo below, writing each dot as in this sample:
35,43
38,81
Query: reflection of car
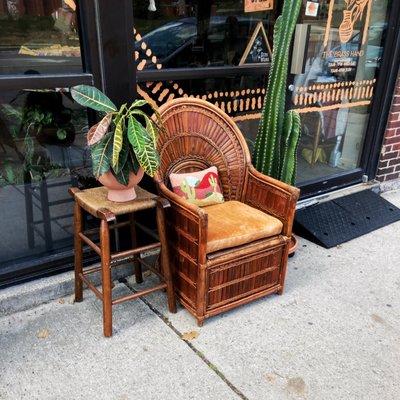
176,44
345,57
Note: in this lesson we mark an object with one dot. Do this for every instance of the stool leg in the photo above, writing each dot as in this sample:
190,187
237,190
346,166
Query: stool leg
78,224
165,264
106,277
137,265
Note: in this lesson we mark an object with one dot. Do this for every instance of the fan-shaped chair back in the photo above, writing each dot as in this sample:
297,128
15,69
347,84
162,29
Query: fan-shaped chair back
199,135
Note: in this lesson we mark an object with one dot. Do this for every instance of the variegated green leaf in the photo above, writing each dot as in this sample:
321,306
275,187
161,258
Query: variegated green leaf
132,160
101,155
89,96
123,155
151,130
118,139
138,103
151,127
97,132
143,147
123,175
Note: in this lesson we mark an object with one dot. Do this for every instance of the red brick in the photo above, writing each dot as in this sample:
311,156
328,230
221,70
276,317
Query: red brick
386,171
390,133
392,140
392,176
395,161
394,116
383,164
390,155
396,146
394,124
395,108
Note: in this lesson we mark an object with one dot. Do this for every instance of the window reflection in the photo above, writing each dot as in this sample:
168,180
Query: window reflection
42,149
193,33
39,35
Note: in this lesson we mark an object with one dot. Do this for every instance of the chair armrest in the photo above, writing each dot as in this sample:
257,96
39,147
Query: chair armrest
179,202
188,224
271,196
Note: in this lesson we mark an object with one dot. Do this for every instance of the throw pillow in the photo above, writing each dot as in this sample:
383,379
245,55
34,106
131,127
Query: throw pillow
201,188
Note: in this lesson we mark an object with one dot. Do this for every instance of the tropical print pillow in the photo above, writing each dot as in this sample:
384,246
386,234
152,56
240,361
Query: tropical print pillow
201,188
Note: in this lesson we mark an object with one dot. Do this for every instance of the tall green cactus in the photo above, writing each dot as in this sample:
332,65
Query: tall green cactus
279,133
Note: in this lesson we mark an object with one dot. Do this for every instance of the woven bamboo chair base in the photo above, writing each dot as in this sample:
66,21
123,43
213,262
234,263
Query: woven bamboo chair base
199,135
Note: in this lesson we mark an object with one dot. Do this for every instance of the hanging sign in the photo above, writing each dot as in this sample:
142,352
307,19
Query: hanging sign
258,5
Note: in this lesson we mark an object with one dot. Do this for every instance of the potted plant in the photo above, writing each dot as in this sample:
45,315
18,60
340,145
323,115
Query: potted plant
275,150
122,144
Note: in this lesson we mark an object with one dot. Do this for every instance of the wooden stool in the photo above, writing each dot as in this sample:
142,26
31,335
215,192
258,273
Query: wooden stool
95,202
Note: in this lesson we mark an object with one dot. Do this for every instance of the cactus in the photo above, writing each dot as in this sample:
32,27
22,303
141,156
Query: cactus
279,133
188,190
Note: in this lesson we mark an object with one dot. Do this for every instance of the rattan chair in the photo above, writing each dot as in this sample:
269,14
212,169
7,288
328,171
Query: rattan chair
228,254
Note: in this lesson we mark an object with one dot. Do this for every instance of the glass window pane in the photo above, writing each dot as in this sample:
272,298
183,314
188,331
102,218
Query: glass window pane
39,36
194,33
334,91
42,150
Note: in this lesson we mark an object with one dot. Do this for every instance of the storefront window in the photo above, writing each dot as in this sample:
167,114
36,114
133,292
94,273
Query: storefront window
42,147
337,54
39,36
334,83
193,34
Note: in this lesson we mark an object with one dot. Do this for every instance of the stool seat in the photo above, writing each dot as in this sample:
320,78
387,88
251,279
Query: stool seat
93,200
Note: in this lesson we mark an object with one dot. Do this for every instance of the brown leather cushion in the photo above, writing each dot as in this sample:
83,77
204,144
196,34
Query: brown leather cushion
234,223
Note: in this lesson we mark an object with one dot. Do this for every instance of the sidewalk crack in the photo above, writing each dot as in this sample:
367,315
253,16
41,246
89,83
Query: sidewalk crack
200,354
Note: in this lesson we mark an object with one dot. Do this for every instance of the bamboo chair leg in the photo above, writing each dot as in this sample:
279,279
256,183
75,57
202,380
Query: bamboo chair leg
78,227
284,268
200,322
165,263
106,278
136,264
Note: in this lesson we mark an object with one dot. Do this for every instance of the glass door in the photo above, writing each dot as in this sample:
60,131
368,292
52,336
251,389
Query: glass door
337,58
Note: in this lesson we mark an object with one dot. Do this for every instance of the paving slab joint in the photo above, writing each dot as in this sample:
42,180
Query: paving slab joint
200,354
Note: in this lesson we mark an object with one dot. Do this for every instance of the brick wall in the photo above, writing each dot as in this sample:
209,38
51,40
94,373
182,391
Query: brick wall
389,164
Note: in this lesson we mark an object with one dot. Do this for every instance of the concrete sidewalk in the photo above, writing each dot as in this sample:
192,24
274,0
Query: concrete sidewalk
334,334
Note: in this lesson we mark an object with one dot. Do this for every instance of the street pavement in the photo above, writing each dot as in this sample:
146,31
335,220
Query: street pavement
334,334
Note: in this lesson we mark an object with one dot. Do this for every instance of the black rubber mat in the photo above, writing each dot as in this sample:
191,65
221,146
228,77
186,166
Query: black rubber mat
340,220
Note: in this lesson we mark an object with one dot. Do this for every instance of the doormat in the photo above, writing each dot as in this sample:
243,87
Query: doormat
340,220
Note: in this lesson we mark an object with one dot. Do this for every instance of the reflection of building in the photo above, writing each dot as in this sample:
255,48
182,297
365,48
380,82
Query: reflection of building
16,8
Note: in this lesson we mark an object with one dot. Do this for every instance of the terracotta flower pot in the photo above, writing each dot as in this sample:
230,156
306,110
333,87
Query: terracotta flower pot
118,192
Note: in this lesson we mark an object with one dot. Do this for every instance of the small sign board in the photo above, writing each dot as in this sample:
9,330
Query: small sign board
312,9
258,50
258,5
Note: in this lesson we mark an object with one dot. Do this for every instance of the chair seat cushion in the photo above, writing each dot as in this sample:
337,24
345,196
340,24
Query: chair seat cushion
233,223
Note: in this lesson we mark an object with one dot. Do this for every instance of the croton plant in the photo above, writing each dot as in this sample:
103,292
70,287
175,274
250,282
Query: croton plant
124,140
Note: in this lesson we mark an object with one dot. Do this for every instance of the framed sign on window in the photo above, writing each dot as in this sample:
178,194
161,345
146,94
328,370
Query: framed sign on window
258,5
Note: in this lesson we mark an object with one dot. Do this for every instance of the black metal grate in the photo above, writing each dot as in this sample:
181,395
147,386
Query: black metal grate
340,220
